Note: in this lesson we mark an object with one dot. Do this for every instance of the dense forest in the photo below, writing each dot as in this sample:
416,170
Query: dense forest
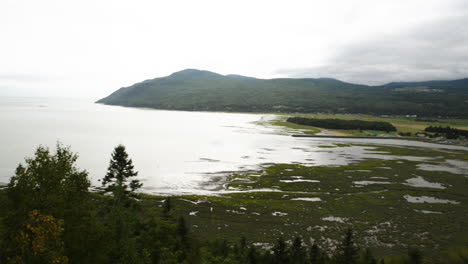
343,124
49,215
196,90
448,132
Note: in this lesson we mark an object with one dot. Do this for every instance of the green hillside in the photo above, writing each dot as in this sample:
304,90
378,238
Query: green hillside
197,90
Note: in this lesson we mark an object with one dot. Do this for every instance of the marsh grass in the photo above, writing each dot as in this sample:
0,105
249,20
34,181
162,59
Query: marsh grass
383,219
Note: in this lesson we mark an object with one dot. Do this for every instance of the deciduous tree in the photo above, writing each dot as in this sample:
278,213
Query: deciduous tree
39,241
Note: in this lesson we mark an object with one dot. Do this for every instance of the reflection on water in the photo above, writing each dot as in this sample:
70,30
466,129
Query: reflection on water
174,151
452,166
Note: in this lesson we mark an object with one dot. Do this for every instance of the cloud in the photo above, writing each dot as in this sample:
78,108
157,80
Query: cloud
433,51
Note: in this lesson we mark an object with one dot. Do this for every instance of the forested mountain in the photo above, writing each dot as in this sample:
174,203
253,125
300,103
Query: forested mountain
207,91
455,85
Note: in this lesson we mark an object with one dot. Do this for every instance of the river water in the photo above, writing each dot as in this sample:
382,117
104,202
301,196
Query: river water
173,151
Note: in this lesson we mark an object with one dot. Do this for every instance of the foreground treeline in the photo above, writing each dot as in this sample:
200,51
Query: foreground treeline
448,132
49,216
343,124
52,217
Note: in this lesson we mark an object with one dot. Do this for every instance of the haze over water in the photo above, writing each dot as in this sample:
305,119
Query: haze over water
173,151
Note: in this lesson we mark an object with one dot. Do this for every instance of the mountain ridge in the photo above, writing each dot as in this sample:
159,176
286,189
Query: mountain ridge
201,90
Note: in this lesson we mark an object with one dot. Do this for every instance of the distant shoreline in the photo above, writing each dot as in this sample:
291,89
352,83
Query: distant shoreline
331,136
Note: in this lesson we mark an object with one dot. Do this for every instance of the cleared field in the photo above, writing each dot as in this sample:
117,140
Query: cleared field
403,124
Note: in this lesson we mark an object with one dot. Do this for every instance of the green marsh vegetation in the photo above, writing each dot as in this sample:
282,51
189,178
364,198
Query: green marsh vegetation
375,197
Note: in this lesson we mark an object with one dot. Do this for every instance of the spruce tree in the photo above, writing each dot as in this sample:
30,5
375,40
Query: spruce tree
182,231
280,251
122,220
314,254
367,257
414,256
119,172
251,256
167,208
298,252
347,250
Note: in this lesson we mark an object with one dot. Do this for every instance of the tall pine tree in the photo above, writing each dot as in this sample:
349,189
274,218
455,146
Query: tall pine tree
117,179
348,251
122,221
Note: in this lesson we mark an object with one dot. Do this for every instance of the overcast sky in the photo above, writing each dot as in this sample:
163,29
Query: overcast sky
89,48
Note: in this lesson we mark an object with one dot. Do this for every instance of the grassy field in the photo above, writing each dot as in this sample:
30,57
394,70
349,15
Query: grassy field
403,124
294,127
376,197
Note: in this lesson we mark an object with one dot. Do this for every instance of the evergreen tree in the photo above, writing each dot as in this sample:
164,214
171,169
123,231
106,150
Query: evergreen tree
167,208
314,254
280,251
414,256
367,257
298,252
122,220
118,175
182,230
347,250
252,256
243,243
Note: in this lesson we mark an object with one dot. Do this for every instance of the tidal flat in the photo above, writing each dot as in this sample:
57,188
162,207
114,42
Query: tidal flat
404,204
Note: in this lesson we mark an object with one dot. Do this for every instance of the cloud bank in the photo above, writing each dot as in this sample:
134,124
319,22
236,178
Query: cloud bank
434,51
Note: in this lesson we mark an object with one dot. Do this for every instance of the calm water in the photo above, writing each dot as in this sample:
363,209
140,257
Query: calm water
174,151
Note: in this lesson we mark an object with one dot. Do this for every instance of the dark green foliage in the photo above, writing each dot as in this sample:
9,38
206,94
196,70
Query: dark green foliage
196,90
456,85
122,222
117,179
298,252
414,256
403,134
160,242
243,243
343,124
347,250
280,251
220,248
428,120
167,208
182,231
316,256
52,184
251,256
367,257
450,133
49,182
